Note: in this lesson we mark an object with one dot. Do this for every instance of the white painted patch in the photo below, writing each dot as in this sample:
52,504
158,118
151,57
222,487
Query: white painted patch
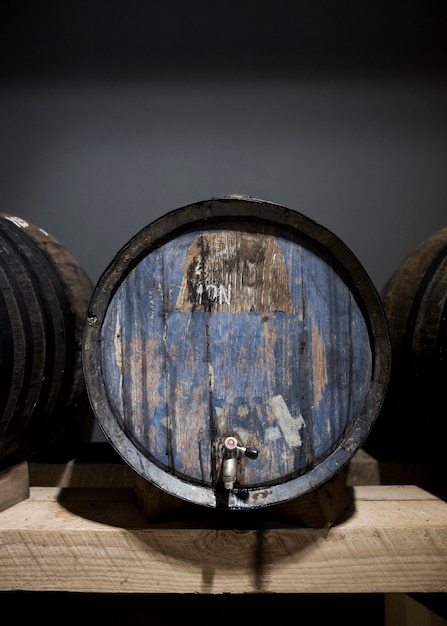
216,293
244,435
272,433
290,426
210,377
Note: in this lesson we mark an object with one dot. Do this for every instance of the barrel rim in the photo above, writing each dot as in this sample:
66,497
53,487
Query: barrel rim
205,212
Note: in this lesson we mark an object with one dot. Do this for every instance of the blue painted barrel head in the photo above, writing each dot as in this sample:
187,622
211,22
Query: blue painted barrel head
236,317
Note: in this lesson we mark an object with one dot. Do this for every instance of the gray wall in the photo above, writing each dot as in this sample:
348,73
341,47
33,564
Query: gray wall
114,113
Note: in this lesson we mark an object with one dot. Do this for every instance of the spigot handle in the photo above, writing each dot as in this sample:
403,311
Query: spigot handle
251,453
230,459
231,447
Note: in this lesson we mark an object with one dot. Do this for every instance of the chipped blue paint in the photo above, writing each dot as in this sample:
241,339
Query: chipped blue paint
177,381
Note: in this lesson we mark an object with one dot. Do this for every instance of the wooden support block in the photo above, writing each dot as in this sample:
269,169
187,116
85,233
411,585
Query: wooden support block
14,485
317,509
402,609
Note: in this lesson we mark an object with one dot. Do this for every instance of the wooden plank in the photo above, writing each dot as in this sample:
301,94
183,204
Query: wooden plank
84,540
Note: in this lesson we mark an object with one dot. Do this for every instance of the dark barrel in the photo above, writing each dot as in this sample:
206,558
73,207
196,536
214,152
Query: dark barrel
412,424
44,295
236,353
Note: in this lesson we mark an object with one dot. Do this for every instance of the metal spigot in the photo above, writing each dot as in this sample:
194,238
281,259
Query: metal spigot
232,452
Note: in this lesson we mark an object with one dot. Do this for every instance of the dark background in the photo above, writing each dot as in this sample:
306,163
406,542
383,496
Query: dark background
114,113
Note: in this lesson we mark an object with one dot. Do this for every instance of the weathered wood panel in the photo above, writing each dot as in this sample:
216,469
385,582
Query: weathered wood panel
236,325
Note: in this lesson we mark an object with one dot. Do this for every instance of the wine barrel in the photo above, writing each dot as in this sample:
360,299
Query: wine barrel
44,296
412,423
236,353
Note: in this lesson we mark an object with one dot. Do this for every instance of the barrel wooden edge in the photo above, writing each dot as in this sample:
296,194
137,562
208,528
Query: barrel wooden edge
319,508
209,214
400,290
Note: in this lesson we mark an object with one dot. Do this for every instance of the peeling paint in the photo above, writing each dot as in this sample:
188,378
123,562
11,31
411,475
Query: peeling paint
290,425
236,272
319,365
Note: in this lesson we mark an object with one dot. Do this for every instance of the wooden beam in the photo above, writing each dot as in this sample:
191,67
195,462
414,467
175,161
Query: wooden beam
392,540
